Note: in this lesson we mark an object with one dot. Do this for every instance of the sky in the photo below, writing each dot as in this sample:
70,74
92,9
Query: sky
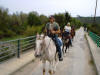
50,7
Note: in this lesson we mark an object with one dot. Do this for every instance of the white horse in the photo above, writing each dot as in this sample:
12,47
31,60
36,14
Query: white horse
46,49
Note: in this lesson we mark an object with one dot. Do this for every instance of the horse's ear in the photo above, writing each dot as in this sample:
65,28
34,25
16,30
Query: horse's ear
43,36
37,36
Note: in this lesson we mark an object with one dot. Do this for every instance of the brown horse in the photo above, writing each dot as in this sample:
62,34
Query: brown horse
65,39
72,32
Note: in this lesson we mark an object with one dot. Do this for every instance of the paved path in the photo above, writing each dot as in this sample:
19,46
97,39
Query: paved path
11,65
77,61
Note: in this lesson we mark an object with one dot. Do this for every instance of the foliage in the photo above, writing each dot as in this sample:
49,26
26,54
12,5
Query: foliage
94,28
89,22
33,19
9,33
67,17
32,30
29,24
1,34
64,18
43,19
60,18
76,23
88,19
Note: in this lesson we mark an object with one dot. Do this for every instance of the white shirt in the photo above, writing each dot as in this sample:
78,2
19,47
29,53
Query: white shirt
67,28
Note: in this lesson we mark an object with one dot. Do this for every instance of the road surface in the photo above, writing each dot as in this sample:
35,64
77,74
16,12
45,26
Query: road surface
78,60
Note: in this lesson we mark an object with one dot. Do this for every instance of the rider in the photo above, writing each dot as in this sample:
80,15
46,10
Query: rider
67,29
52,30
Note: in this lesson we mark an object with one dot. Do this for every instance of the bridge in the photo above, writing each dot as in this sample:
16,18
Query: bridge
17,57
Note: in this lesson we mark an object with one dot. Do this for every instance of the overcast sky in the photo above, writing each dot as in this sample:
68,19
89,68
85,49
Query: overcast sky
49,7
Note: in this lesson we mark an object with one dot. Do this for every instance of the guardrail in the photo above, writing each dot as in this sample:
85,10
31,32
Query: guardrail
13,48
95,38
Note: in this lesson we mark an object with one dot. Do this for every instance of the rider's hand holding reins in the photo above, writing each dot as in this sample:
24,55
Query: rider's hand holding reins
55,32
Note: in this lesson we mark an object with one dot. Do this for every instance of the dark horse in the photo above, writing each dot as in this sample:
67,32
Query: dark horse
72,32
66,41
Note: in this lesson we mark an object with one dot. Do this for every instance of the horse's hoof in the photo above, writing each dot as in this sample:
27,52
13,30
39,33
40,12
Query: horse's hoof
50,72
54,72
43,71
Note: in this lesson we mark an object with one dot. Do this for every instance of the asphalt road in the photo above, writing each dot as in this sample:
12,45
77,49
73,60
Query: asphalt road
77,61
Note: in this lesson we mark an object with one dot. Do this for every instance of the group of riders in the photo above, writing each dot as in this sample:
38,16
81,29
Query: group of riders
60,37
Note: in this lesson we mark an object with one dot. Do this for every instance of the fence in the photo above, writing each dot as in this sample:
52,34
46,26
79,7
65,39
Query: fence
95,38
16,47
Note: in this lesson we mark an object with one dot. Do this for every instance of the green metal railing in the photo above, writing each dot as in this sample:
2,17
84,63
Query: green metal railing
16,47
95,38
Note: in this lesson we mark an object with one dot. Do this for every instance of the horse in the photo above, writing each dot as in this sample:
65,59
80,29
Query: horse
46,50
65,39
72,32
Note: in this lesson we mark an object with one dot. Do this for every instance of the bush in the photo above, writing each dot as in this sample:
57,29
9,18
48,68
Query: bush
32,30
29,31
76,23
1,34
9,33
94,28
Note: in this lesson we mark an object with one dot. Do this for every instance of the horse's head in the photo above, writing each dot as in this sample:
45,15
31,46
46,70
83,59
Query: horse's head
39,45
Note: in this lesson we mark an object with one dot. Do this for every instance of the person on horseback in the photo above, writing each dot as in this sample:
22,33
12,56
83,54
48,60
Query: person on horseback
52,30
67,29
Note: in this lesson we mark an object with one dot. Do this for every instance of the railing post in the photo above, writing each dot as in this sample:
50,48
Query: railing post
18,50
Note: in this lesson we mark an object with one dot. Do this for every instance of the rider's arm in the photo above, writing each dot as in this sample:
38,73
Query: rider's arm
56,31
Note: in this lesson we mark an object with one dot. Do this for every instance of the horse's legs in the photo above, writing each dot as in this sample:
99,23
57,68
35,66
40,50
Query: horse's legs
54,63
63,49
44,63
51,68
66,48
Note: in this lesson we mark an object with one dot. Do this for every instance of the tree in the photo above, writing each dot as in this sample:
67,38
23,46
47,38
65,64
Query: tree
67,17
4,19
60,18
33,19
43,19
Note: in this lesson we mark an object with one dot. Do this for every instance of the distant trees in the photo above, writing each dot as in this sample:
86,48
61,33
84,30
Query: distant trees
43,19
28,24
67,17
33,19
88,21
64,18
76,23
60,18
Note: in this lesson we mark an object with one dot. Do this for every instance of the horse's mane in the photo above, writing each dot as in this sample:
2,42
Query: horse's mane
48,41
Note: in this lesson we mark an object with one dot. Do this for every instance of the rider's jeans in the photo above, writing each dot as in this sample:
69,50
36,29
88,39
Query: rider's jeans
58,46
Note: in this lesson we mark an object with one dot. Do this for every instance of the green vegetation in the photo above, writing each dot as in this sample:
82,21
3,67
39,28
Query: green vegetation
64,18
18,25
88,21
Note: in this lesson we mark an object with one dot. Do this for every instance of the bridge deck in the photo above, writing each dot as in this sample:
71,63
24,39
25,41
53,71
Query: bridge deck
11,65
78,60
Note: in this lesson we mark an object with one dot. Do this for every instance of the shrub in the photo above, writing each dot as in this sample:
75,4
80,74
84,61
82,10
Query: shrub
94,28
32,30
9,33
1,34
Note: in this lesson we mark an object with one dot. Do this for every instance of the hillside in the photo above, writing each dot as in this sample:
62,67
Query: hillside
88,19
